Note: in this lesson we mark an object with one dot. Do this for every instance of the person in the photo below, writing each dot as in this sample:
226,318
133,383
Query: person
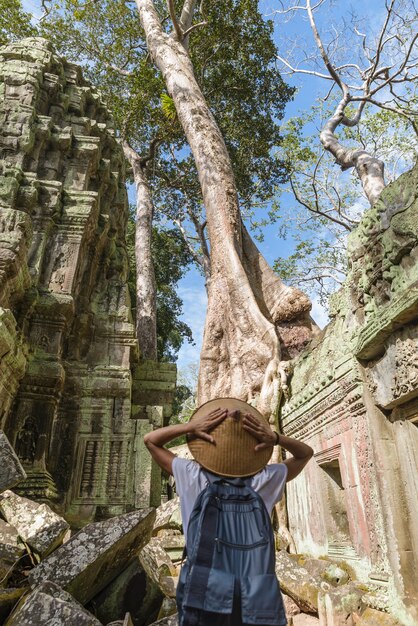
227,438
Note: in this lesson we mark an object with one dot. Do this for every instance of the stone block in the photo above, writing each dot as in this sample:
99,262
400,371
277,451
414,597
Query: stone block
371,617
155,560
168,585
173,542
41,528
11,549
303,619
296,582
338,606
12,471
290,606
331,573
168,608
96,554
47,605
168,516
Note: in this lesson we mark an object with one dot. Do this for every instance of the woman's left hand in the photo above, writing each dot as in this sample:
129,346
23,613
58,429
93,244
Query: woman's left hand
259,430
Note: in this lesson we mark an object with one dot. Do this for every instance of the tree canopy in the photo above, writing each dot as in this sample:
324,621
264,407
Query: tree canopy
234,56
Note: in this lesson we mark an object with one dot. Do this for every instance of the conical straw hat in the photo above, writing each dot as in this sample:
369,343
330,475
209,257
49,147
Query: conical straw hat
233,454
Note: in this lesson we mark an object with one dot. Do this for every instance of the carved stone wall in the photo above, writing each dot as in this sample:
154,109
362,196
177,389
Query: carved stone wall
354,398
67,343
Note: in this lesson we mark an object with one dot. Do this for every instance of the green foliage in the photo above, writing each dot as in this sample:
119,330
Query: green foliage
235,61
171,261
234,58
14,22
168,107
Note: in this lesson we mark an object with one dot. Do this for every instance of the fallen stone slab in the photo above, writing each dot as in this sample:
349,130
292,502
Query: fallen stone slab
173,542
168,516
168,608
37,524
290,606
336,604
12,471
372,617
168,586
96,554
49,605
296,582
155,561
11,550
328,571
8,598
302,619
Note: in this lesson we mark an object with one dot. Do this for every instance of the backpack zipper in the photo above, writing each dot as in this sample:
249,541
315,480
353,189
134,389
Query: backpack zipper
238,546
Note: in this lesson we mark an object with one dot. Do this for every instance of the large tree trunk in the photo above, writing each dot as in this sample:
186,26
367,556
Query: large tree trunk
247,302
146,306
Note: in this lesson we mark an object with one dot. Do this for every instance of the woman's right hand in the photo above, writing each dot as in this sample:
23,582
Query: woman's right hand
201,426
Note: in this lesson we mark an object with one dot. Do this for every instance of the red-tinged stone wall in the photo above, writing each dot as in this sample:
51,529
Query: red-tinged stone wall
354,399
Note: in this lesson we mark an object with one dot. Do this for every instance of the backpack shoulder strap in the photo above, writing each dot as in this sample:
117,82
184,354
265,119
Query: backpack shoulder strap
195,590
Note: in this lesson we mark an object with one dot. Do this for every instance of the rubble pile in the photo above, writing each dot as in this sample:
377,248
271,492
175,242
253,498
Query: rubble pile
123,571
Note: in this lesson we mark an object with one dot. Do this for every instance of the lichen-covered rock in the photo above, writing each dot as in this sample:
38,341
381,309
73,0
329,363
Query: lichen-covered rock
336,605
156,562
331,573
41,528
168,608
168,515
12,471
304,620
96,554
290,606
371,617
173,542
168,585
11,549
48,605
296,582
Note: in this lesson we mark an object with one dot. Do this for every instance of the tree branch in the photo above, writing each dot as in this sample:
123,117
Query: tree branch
176,25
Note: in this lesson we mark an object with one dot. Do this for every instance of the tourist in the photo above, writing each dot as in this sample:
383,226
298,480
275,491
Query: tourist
230,439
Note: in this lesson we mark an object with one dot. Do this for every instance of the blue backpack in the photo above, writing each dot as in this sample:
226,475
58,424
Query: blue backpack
230,559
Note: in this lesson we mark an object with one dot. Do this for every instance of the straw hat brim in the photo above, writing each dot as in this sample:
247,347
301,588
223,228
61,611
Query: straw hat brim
233,453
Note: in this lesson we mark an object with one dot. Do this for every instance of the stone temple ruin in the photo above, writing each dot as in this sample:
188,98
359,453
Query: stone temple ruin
75,400
354,399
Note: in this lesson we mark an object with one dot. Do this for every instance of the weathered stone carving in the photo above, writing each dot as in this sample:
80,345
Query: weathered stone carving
354,399
67,341
50,604
38,526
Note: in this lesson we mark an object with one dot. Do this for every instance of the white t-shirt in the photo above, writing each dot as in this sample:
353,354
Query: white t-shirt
191,480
